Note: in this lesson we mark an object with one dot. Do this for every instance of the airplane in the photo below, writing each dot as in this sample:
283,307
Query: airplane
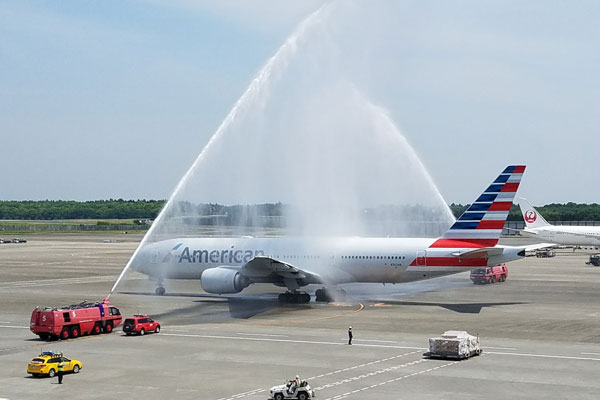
229,265
536,226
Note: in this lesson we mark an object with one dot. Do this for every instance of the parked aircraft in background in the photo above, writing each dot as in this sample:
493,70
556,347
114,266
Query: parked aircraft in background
228,265
536,226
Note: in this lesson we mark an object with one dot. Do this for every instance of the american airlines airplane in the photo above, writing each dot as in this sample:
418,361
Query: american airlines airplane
536,226
228,265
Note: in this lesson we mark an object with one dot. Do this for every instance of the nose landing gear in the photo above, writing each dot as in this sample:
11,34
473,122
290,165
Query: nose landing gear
160,289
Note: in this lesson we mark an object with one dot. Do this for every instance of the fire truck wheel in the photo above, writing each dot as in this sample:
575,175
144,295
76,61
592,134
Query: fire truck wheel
64,334
96,329
44,336
51,373
75,332
108,327
76,369
142,332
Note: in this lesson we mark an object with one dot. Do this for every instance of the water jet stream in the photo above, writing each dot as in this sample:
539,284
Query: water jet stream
258,85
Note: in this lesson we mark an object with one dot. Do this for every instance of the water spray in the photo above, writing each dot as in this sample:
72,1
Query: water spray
258,85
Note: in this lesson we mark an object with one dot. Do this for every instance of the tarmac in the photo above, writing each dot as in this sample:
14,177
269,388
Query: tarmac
540,332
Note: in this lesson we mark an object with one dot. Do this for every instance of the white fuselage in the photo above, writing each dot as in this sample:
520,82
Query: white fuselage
335,260
567,235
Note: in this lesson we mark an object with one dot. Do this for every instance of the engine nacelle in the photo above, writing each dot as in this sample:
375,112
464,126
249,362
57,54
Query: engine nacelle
223,280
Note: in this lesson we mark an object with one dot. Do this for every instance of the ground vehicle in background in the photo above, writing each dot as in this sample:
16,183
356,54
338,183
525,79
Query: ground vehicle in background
47,364
594,260
497,273
454,344
140,324
74,320
291,390
545,253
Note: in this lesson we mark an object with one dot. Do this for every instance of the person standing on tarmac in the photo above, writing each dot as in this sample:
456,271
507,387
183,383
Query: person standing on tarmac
349,335
61,369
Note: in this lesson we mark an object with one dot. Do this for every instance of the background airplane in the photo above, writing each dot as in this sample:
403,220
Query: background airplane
228,265
536,226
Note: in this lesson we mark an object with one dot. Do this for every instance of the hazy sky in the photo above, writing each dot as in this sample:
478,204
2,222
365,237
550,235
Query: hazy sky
115,99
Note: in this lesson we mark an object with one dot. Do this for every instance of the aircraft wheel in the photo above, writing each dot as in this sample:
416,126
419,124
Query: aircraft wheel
283,298
304,298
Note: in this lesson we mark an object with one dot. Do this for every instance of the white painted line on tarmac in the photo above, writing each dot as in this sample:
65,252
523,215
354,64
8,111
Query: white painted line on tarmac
344,395
5,322
261,334
61,281
544,356
371,340
14,327
592,354
499,348
370,374
289,341
310,378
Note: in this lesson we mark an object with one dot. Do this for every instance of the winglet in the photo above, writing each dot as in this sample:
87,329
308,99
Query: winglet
482,223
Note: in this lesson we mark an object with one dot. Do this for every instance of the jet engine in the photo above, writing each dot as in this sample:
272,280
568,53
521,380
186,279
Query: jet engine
223,280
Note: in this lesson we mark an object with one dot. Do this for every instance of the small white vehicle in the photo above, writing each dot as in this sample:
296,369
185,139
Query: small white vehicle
291,390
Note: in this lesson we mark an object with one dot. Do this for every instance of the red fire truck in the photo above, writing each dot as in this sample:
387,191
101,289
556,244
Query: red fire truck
497,273
74,320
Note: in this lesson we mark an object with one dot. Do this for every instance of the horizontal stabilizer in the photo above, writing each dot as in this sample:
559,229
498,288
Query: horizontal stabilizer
539,246
483,252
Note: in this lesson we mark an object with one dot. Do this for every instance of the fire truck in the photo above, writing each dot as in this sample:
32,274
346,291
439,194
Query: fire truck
75,320
497,273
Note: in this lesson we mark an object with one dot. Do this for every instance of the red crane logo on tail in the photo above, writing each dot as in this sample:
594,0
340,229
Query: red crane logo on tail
530,216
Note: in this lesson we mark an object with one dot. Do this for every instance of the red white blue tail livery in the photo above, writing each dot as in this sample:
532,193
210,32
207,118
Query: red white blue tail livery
482,223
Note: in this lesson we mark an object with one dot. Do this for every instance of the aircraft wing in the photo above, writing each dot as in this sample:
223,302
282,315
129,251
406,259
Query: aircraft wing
263,268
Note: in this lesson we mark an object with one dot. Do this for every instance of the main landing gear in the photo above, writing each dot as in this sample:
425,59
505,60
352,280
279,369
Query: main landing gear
294,297
327,295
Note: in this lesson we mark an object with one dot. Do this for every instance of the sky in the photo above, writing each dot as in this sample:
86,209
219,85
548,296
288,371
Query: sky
116,99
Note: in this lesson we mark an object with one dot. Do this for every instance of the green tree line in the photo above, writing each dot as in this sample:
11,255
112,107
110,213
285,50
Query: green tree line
149,209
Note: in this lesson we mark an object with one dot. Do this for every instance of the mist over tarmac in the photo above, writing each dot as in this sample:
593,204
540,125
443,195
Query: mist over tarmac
304,134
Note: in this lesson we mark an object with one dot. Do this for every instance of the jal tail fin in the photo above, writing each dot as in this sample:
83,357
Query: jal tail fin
533,219
482,223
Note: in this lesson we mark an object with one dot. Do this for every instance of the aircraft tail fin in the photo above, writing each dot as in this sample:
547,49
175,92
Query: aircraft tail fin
482,223
533,219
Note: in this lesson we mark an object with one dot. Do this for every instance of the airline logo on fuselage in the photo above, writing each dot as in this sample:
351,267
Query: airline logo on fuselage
230,256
